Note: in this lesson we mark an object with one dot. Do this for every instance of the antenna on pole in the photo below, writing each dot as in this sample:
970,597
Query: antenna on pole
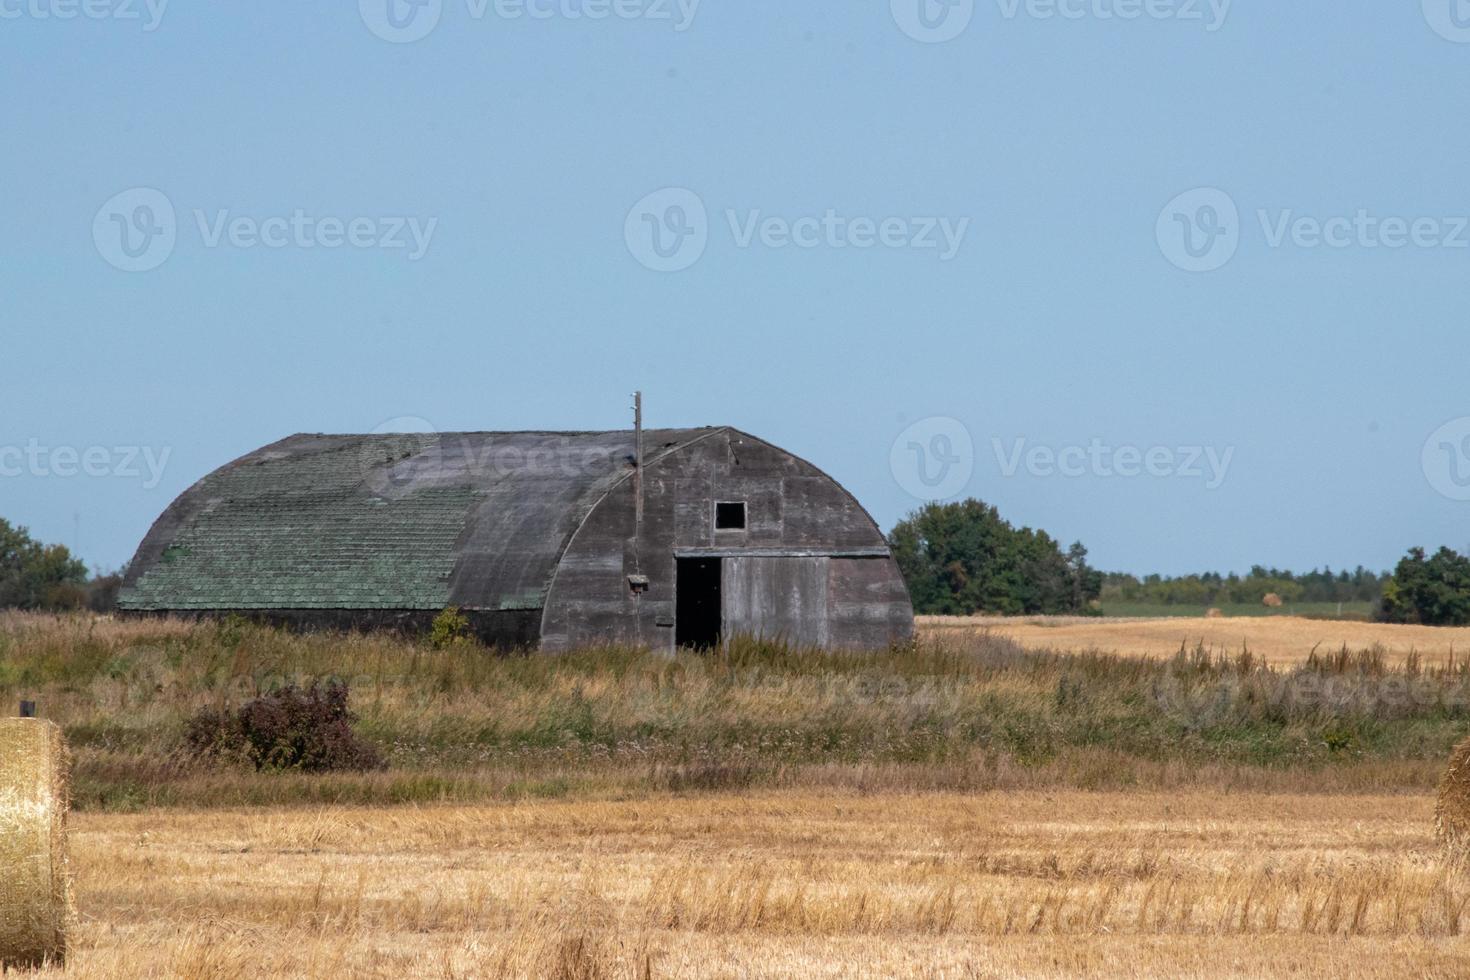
637,583
638,461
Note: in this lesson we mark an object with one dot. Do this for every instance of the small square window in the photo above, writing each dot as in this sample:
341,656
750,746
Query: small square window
730,516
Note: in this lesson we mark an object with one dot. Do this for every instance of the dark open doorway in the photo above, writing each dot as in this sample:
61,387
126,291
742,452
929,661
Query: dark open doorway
697,603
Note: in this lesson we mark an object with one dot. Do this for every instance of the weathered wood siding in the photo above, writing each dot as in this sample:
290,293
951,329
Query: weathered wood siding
777,598
794,514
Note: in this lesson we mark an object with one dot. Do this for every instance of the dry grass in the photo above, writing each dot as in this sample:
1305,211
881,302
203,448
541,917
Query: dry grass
973,711
1280,640
824,885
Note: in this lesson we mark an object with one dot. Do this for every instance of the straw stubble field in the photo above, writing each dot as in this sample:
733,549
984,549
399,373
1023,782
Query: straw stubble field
1280,640
779,884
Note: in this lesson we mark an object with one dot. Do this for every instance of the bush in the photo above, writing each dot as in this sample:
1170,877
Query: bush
450,627
308,729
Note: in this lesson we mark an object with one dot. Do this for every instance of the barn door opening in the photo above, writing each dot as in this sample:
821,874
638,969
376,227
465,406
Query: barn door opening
697,605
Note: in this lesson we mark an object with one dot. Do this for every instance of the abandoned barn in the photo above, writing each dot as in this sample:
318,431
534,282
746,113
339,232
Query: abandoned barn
550,539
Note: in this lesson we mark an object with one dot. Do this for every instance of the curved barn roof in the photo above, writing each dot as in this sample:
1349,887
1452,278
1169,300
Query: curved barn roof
420,521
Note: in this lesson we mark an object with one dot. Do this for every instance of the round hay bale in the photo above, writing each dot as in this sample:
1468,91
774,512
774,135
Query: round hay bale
35,882
1272,601
1213,613
1452,810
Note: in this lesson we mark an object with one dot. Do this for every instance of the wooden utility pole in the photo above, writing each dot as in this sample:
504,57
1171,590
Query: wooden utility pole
638,462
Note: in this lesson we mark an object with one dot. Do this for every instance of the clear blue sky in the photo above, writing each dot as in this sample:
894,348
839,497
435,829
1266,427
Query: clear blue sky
1059,320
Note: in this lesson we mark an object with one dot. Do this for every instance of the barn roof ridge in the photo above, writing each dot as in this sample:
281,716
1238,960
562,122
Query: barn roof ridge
701,429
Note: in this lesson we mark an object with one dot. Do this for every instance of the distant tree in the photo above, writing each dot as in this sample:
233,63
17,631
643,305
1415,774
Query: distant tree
1086,580
1430,591
37,576
102,590
963,558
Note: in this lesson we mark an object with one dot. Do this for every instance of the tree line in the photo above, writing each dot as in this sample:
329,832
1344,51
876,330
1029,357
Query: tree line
1214,589
48,577
964,559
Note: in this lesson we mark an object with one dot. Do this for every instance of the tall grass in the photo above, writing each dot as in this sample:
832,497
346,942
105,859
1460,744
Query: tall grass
969,713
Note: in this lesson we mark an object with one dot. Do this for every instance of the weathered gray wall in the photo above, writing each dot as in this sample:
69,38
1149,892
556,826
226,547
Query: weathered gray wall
794,514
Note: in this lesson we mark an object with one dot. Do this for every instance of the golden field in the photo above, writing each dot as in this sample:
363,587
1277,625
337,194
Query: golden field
968,806
1281,640
778,884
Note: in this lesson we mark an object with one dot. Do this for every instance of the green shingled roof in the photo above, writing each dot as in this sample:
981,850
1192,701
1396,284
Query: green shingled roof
477,520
